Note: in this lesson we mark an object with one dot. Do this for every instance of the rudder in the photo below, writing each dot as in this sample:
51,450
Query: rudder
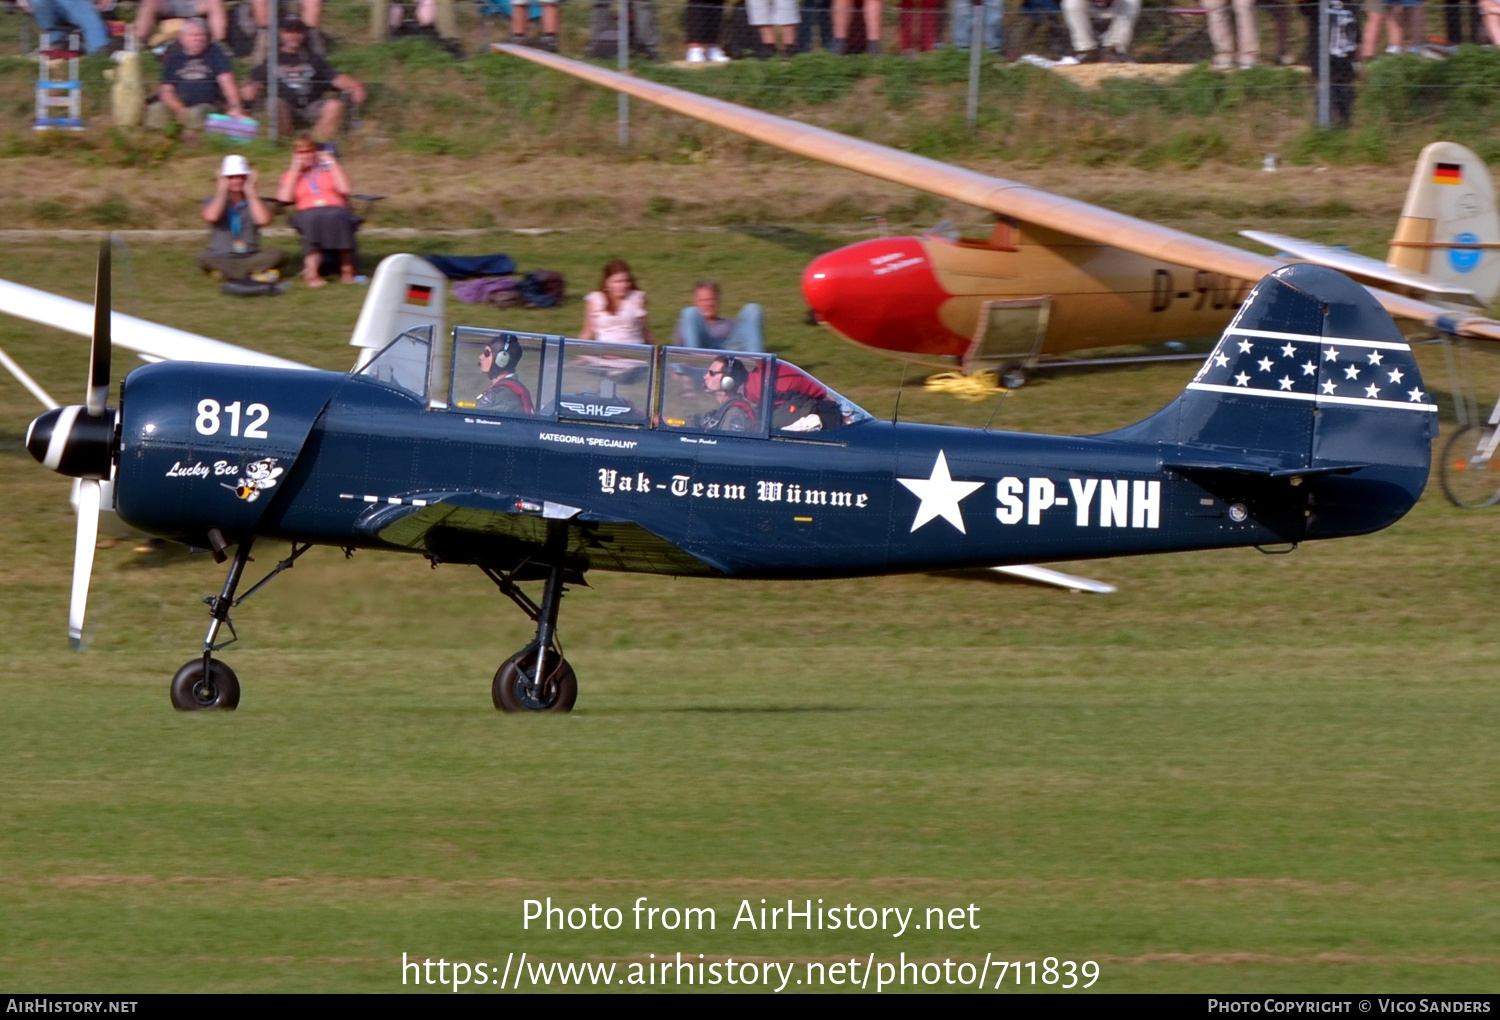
1311,381
1451,200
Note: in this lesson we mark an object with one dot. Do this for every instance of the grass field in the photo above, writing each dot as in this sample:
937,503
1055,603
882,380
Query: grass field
1240,772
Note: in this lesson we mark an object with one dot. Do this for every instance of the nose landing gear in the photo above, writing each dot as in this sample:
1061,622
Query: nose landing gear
205,683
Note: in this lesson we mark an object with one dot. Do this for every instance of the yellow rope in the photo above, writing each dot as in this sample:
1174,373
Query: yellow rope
970,388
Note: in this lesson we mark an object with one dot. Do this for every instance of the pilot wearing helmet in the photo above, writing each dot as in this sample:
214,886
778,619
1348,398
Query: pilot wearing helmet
726,379
505,393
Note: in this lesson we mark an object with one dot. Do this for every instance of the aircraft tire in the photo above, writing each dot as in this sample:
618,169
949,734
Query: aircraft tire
1470,477
558,695
192,692
1013,375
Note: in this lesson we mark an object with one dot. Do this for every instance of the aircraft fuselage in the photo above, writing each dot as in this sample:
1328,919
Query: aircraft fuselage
343,461
928,296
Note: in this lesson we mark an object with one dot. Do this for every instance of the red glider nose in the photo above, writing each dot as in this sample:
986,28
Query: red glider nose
882,293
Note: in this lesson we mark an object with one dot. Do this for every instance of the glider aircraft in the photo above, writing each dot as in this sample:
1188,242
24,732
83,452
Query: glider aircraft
538,457
1059,275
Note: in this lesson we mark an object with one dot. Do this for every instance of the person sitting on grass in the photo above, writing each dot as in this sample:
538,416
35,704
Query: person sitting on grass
700,325
196,80
235,215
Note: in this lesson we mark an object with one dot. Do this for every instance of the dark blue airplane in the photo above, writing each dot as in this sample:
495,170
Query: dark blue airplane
540,458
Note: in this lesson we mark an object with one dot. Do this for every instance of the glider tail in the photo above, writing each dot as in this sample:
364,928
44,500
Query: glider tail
1451,201
1311,387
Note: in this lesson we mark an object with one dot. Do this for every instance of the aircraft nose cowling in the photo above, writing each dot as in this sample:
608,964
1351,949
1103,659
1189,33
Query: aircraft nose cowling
67,440
883,293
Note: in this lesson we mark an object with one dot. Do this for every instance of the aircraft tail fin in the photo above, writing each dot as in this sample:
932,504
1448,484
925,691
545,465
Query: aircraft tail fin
1311,383
1451,201
406,291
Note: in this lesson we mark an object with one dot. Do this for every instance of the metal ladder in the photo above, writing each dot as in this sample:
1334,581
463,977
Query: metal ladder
52,93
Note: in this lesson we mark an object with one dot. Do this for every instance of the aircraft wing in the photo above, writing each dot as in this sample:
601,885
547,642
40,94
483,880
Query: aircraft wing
151,340
478,526
1361,267
1008,198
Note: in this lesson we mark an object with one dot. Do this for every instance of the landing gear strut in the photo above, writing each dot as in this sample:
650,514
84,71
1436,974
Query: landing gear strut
537,678
205,683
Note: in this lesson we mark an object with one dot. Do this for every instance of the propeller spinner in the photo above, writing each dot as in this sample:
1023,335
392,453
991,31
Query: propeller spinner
79,440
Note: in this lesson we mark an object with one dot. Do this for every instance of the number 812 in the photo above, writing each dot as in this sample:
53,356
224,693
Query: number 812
207,422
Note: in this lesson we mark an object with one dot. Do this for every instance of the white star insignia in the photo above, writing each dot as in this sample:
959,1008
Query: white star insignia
1374,357
1331,354
1329,386
1308,368
1244,346
1265,364
1352,372
1286,382
940,495
1242,379
1372,391
1416,395
1395,375
1289,351
1221,360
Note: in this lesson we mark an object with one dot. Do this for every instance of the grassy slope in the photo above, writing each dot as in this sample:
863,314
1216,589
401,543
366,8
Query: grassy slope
1241,772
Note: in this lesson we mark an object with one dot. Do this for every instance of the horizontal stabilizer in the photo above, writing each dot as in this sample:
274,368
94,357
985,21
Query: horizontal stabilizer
1044,575
1361,267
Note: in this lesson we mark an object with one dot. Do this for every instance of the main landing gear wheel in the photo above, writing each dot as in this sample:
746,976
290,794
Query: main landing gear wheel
1014,375
195,691
1470,470
516,688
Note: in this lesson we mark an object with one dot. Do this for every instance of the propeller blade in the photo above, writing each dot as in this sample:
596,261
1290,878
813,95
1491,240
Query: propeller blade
99,352
83,558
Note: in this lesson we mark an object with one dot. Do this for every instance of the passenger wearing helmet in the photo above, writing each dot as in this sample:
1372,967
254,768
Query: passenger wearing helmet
505,393
725,379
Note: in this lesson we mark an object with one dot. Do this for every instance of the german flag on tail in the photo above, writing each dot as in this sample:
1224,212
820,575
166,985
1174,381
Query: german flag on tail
417,294
1448,173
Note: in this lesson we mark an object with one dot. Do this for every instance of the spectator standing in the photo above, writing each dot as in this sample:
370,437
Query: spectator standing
1281,17
54,17
700,325
1343,49
1040,24
1237,44
234,216
616,312
520,11
817,18
1453,14
963,16
212,12
843,13
1489,10
767,16
1115,44
703,25
196,79
304,80
318,186
917,26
